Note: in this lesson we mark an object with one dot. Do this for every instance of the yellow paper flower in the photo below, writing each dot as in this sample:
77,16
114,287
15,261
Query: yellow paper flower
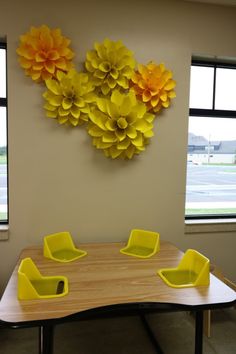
153,85
68,98
42,52
111,65
120,125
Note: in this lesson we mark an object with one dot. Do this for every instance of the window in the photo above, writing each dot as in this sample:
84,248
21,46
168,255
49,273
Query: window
3,137
211,162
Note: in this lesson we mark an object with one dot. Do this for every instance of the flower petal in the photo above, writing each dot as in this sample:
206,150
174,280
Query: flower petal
114,152
105,89
142,125
109,137
49,107
50,66
102,104
95,131
146,96
98,118
130,152
51,114
53,86
117,98
138,141
63,112
111,124
131,132
75,112
123,145
121,134
113,110
170,85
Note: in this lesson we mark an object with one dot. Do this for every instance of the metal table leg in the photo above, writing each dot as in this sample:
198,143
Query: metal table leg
46,339
199,332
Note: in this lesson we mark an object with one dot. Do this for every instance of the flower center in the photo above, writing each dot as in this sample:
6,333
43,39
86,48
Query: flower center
106,66
122,123
71,96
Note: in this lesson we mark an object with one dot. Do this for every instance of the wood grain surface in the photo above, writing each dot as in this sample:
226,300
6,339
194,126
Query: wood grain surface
106,277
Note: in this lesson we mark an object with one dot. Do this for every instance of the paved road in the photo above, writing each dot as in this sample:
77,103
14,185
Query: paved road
211,184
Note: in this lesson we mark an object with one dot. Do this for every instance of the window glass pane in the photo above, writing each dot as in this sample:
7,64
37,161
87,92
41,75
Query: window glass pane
225,96
201,87
2,73
3,165
211,168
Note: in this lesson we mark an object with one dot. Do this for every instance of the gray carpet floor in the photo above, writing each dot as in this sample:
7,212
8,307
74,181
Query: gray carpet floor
126,335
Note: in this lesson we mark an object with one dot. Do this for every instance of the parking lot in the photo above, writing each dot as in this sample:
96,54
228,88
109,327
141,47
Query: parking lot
211,184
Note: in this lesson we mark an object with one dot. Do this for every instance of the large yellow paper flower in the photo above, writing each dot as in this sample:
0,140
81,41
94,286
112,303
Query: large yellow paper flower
153,85
43,52
120,125
111,65
68,98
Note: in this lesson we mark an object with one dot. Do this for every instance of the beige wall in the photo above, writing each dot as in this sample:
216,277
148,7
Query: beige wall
58,181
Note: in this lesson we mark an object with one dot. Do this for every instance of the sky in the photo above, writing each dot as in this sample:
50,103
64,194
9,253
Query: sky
213,128
2,126
201,96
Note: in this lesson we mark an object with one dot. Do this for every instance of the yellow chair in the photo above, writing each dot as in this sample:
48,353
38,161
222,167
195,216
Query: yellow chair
32,285
142,244
193,270
60,247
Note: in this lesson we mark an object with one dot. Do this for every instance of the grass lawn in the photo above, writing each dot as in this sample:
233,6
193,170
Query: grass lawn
3,216
218,164
230,171
214,211
3,159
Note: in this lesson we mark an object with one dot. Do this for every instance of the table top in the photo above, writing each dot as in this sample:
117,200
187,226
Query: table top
105,277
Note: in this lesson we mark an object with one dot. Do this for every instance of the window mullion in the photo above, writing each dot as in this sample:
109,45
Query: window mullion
214,88
3,102
4,211
216,113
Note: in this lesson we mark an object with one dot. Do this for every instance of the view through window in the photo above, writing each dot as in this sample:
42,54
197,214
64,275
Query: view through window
3,137
211,161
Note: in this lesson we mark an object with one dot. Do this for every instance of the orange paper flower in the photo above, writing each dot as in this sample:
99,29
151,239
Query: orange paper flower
154,86
43,52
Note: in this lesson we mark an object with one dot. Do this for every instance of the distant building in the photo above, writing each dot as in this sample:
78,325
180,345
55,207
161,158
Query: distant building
200,150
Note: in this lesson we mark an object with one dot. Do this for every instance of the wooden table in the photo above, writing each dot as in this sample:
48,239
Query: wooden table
106,282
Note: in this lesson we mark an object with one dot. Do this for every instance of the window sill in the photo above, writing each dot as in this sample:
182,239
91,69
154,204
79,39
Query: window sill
4,232
209,226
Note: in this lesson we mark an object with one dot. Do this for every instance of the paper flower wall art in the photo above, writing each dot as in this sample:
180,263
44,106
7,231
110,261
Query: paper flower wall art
42,52
110,65
116,101
68,97
120,125
153,85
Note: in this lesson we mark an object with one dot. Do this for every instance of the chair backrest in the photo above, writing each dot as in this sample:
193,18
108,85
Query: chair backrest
197,263
27,272
29,269
143,238
56,242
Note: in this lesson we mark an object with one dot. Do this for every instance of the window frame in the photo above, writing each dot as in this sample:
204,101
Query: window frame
4,103
216,113
211,113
